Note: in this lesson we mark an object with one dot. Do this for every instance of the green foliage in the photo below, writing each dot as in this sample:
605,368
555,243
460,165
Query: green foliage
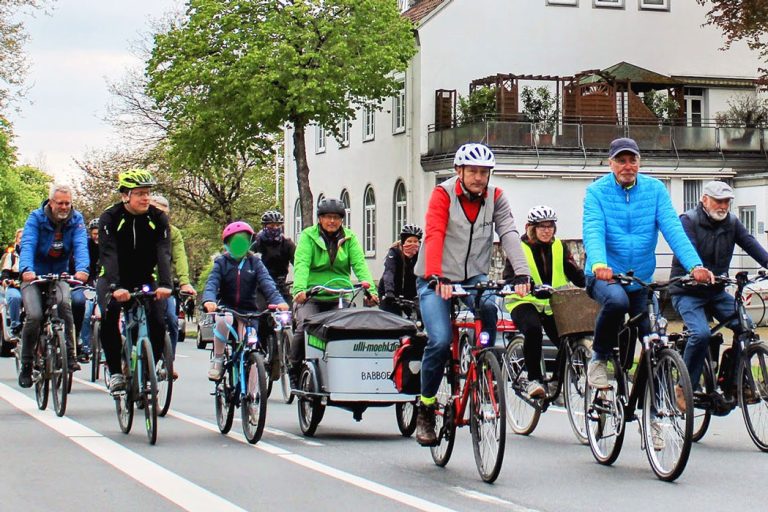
744,111
539,106
663,106
475,107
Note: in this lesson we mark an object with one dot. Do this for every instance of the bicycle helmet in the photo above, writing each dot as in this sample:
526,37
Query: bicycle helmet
94,224
272,217
474,154
135,178
411,230
541,213
236,227
330,205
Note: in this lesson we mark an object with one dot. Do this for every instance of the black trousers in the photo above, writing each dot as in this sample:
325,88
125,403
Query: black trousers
530,322
301,312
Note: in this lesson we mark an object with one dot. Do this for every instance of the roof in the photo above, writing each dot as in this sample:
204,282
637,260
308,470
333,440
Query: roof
637,75
422,9
705,81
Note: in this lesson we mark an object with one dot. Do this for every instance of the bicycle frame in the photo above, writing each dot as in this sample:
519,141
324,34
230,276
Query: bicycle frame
135,318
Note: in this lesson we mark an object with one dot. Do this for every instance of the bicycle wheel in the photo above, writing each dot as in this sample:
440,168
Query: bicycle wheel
224,400
271,362
753,394
164,372
148,390
523,417
405,412
487,416
310,408
702,413
285,382
124,400
445,423
253,407
95,350
60,377
41,377
667,431
574,386
604,420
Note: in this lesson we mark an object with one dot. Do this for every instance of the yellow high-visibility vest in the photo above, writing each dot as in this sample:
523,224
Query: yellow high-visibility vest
559,278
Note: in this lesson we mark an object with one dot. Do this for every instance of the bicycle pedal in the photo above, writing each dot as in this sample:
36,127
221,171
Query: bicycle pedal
118,394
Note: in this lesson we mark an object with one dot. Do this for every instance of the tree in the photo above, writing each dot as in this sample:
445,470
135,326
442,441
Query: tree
745,20
233,71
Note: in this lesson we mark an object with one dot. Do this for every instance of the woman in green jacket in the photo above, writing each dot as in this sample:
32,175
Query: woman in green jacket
326,255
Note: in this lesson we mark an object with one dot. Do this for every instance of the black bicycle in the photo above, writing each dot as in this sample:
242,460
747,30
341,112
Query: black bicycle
654,385
740,378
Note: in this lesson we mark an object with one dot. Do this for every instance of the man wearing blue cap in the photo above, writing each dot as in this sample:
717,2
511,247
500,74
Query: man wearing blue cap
623,214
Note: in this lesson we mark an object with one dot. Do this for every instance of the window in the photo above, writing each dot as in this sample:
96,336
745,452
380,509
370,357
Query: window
319,139
344,132
297,225
574,3
654,5
747,217
616,4
691,194
694,105
369,123
347,211
398,110
400,207
369,227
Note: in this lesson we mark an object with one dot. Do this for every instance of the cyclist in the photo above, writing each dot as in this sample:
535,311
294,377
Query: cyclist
9,274
398,279
623,214
462,215
276,250
52,233
237,277
551,264
714,232
134,239
326,254
180,267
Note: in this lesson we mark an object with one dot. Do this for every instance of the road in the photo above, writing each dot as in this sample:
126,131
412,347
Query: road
83,461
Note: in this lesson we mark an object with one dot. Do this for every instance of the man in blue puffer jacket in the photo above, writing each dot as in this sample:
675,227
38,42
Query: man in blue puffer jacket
52,234
623,214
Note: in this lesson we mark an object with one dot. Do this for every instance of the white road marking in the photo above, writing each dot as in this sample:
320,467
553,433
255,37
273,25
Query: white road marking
487,498
165,483
183,356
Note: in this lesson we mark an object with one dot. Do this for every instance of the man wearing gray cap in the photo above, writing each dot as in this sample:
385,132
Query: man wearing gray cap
714,231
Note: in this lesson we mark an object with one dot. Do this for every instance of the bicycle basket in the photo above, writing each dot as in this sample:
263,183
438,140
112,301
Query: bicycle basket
574,311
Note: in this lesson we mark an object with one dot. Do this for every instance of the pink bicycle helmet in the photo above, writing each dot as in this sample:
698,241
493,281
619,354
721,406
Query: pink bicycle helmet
236,227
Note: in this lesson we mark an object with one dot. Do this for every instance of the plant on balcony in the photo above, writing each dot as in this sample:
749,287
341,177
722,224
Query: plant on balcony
663,106
480,103
744,111
539,107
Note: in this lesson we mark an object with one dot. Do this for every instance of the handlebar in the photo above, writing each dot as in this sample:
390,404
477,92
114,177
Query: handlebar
281,317
629,278
49,278
315,290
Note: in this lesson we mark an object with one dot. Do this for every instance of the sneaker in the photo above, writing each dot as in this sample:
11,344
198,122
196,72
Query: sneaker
656,437
216,369
425,426
72,364
597,374
117,383
25,375
680,399
535,389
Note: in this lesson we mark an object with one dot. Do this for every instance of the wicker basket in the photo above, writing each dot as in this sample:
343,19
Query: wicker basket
574,311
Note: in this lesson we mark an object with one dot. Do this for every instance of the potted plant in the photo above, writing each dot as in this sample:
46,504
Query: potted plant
540,108
663,106
745,114
477,106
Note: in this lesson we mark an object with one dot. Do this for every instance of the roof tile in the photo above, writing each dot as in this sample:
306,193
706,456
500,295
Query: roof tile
422,9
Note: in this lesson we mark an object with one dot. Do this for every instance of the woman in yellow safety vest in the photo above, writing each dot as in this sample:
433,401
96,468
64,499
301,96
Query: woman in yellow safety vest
552,264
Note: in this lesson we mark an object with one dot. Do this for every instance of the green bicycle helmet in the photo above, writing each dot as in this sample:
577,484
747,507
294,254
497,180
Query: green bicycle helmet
135,178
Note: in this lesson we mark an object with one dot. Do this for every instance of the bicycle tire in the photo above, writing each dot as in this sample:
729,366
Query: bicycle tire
253,407
41,378
148,390
754,400
311,410
164,371
405,412
523,417
224,399
60,377
124,401
95,350
604,421
488,416
285,381
574,387
445,423
703,415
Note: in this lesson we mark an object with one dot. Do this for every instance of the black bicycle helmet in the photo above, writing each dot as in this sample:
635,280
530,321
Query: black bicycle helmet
272,217
330,205
94,224
411,230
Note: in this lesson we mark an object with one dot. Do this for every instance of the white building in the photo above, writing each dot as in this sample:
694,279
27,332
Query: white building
391,159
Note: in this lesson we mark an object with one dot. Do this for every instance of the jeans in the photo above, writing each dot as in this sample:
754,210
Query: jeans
693,310
85,330
32,295
615,302
13,299
530,322
436,315
172,321
78,309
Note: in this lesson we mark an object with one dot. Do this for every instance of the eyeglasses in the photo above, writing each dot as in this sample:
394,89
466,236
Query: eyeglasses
62,203
627,160
545,226
140,193
331,217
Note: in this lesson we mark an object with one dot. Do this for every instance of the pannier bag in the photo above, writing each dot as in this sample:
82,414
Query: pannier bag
406,370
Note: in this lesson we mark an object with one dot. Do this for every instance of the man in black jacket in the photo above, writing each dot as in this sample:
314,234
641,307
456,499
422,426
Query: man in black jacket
714,231
134,238
276,251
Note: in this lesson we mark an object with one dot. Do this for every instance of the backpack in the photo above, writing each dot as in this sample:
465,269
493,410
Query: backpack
406,370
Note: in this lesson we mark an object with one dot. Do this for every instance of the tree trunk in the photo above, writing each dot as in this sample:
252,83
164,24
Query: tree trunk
302,175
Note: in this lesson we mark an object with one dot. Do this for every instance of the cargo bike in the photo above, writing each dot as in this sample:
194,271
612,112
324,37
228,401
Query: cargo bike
348,362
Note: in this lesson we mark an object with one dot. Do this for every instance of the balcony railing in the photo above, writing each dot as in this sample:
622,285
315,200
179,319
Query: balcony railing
597,137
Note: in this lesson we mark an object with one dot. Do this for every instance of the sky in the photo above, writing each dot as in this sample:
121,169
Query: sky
74,51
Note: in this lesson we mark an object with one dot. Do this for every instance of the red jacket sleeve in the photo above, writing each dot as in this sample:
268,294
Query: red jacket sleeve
436,222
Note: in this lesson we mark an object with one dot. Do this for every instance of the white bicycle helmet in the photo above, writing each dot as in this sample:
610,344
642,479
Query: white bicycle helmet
541,213
474,154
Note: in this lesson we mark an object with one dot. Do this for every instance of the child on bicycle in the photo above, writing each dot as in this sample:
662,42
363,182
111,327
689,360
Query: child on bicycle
235,281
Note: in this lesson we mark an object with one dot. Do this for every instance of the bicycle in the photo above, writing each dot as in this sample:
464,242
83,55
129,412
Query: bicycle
574,315
138,367
481,390
243,382
743,367
165,363
666,431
